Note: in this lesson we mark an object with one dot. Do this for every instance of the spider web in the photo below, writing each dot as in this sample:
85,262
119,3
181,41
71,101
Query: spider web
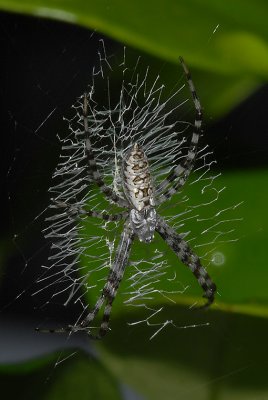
128,104
156,317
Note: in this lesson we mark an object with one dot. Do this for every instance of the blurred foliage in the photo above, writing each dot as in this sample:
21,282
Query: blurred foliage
226,45
79,376
226,360
225,41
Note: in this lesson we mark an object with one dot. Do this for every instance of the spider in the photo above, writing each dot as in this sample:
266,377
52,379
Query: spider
141,219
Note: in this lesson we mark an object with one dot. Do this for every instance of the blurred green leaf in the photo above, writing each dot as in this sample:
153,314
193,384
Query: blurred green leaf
78,376
242,278
226,360
228,40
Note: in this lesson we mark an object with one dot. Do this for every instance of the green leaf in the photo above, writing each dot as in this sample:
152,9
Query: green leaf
226,40
226,360
167,30
76,376
242,279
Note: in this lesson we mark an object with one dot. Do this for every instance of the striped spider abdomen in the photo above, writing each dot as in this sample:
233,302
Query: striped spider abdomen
137,181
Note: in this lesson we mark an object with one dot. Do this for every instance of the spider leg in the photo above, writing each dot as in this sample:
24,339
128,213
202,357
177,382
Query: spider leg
109,291
179,174
109,193
77,211
188,257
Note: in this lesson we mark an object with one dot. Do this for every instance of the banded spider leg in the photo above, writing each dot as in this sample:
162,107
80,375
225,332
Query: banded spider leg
142,220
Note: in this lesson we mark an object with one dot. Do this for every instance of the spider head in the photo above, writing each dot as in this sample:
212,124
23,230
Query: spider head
143,223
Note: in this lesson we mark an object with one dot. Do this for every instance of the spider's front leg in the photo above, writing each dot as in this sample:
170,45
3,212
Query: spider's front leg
186,255
109,193
109,291
180,173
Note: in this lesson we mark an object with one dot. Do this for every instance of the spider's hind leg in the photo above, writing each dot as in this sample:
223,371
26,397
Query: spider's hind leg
189,258
203,278
110,289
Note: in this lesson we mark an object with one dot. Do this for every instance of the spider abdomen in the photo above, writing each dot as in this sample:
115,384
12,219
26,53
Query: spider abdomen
137,181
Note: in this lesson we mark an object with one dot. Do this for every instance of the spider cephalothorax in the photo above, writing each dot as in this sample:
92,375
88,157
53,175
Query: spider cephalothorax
141,219
143,223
